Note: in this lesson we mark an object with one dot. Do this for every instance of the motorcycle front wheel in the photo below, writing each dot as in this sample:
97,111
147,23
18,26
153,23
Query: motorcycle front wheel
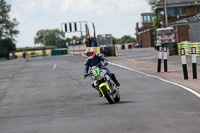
108,95
117,98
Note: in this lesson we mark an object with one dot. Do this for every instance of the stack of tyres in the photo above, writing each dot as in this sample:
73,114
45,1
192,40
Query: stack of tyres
188,48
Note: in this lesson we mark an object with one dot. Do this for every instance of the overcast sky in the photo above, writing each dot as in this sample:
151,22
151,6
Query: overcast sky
117,17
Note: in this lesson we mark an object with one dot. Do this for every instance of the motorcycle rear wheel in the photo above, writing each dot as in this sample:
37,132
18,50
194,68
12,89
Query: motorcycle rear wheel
108,95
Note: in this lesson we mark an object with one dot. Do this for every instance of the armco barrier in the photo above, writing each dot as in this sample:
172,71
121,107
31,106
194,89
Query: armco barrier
188,48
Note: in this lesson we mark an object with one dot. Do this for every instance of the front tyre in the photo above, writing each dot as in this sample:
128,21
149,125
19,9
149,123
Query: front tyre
117,98
108,95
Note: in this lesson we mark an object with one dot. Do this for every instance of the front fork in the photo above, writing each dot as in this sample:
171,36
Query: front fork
104,84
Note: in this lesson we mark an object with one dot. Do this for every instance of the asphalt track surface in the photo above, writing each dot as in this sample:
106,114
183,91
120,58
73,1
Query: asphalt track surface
49,95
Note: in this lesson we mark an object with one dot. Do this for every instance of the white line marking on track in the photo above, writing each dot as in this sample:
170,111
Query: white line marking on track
54,67
184,87
16,75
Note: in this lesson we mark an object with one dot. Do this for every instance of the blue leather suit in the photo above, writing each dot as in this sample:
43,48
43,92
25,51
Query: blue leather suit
93,62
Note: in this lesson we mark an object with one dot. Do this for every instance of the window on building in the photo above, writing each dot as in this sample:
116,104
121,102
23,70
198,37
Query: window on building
147,19
198,9
183,11
153,18
173,12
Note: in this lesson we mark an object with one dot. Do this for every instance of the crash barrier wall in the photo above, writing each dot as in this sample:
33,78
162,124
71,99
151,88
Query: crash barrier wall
40,53
2,59
184,63
77,49
59,52
187,46
33,53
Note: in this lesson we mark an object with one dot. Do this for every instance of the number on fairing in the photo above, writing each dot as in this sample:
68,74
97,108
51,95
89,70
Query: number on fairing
96,72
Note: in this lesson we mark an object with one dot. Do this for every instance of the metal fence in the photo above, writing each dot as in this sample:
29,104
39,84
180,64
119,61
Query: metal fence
194,32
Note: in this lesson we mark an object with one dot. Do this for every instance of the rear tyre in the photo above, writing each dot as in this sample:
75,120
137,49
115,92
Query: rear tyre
108,95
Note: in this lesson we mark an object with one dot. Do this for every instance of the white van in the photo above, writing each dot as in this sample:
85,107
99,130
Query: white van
165,36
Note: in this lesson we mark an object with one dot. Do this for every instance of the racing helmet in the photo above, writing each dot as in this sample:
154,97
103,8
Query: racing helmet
90,52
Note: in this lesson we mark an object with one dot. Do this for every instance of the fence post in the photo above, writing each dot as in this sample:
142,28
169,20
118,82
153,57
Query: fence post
159,59
184,64
165,58
194,63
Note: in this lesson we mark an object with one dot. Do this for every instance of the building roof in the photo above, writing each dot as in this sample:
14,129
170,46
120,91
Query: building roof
176,3
148,13
181,1
193,19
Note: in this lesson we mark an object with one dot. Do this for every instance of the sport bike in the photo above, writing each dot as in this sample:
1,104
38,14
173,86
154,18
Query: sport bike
104,84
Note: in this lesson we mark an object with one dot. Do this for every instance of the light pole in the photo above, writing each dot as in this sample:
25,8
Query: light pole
165,8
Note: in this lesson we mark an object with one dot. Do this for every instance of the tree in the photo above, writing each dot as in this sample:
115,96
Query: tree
126,39
7,26
6,46
53,37
7,29
114,40
156,25
152,2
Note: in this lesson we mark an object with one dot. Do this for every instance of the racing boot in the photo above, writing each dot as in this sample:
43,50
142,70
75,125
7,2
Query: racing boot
115,80
100,94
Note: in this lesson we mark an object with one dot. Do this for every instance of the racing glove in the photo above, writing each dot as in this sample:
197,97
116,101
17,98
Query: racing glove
85,75
105,63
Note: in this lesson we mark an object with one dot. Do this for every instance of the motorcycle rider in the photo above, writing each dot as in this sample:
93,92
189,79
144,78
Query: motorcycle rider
93,60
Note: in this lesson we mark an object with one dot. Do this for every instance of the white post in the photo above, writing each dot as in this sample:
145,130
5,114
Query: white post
184,63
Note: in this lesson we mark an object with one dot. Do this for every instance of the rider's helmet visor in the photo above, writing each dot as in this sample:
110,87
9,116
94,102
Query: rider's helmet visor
89,54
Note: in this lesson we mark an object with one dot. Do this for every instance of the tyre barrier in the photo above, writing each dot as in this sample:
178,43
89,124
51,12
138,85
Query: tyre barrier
124,46
129,46
119,47
188,48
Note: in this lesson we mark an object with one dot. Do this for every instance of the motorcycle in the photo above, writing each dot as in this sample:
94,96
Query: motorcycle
104,83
